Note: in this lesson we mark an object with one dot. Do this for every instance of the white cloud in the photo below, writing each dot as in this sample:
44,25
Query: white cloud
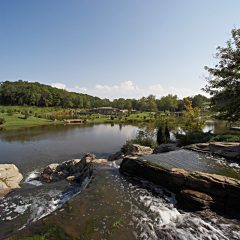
78,89
59,85
128,89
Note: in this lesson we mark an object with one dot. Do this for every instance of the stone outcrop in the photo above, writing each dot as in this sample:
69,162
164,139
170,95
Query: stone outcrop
191,200
138,150
194,190
10,177
76,169
116,156
130,150
229,150
165,148
101,161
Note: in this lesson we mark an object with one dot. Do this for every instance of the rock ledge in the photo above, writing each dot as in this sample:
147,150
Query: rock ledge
194,190
229,150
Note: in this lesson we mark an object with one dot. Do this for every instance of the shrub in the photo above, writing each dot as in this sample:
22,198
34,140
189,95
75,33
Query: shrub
25,114
52,117
144,138
9,112
163,134
2,121
193,137
226,138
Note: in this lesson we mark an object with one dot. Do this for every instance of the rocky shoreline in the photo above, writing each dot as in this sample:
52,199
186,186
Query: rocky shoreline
10,178
229,150
194,190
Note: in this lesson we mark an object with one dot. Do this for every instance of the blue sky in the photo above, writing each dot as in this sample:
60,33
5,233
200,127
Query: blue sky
114,48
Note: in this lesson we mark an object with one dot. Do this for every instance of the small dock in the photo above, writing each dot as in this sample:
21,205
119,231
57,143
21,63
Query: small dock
75,121
235,128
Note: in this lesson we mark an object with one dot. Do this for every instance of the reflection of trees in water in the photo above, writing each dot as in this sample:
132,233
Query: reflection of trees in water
52,131
38,133
177,125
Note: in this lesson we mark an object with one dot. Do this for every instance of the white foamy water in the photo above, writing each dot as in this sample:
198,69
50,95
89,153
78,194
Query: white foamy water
150,210
224,162
36,203
155,216
31,178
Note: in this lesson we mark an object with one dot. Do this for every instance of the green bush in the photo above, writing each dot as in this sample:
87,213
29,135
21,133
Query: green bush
25,114
2,121
144,138
163,134
226,138
9,112
194,137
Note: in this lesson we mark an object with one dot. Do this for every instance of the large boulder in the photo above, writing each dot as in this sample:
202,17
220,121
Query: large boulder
130,150
199,189
229,150
191,200
165,148
137,150
75,169
225,149
10,177
116,156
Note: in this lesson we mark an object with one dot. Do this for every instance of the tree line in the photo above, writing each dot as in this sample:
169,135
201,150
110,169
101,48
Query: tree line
36,94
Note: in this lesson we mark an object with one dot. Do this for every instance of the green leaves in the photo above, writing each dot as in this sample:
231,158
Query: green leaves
224,80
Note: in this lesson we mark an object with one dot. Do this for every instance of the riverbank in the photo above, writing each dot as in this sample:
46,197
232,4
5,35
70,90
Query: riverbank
18,117
117,207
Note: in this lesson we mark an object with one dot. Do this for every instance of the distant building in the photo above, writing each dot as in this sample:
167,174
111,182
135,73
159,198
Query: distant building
104,110
123,110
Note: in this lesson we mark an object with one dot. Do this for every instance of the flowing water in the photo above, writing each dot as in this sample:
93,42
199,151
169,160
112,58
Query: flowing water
109,206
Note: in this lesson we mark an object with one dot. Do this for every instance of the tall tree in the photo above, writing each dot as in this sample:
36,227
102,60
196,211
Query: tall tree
192,120
199,101
224,79
168,103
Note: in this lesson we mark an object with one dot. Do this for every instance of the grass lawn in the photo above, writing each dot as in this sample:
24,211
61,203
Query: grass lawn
16,121
120,118
36,116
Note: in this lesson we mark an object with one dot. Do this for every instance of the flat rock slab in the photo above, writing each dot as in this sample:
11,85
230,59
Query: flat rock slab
192,161
199,189
10,177
229,150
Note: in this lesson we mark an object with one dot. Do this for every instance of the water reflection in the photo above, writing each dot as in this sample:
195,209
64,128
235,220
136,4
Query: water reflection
218,127
36,147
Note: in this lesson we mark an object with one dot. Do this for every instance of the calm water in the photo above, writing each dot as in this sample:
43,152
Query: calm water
34,148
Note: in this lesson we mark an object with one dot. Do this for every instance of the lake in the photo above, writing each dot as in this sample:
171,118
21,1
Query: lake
37,147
